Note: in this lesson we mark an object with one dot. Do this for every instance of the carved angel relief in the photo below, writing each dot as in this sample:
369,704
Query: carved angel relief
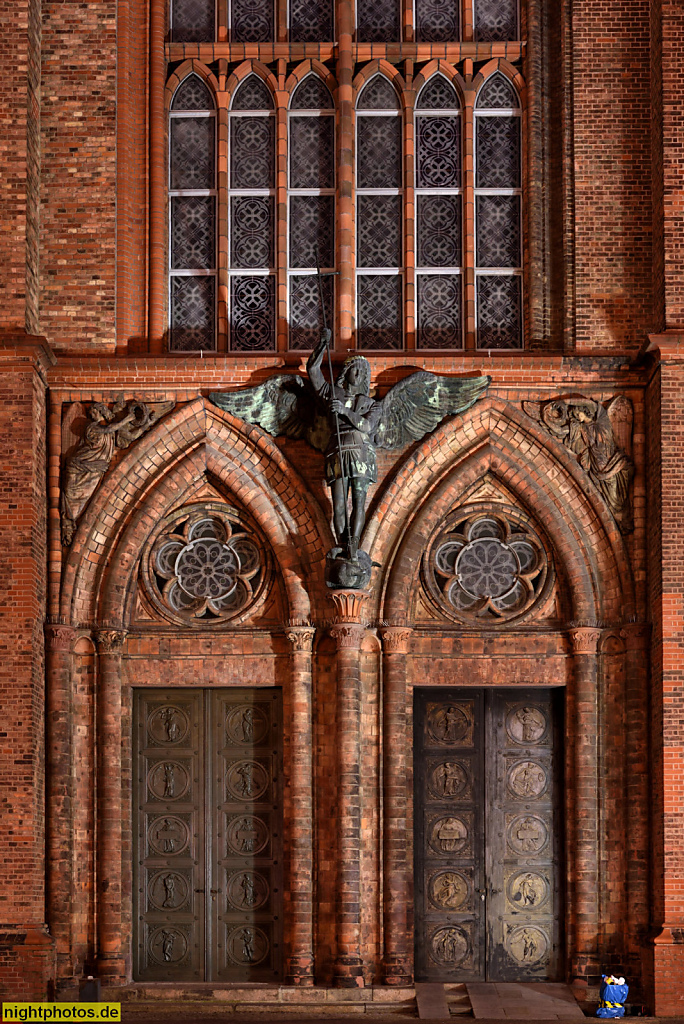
601,438
84,468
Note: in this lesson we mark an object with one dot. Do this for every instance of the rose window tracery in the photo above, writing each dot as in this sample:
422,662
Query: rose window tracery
486,567
204,566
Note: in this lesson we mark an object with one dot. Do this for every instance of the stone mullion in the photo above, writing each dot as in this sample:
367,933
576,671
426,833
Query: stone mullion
110,953
397,960
586,825
299,809
222,214
60,796
345,235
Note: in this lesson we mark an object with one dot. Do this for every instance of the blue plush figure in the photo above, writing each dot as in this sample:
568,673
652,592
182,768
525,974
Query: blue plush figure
612,994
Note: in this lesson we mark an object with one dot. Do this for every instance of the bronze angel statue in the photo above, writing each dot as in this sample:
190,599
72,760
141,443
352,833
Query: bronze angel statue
342,420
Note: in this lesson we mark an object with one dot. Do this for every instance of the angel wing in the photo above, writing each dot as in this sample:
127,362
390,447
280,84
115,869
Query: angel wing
621,415
285,404
533,410
417,404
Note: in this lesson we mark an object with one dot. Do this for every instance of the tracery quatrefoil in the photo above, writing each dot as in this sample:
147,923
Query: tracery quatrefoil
486,567
204,566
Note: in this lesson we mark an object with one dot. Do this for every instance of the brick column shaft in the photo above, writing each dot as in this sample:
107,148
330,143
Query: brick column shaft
300,960
110,957
397,960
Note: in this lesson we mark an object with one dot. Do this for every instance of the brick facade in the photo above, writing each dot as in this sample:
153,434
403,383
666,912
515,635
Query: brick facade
84,319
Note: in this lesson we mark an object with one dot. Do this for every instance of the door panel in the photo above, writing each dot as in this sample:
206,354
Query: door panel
208,842
486,888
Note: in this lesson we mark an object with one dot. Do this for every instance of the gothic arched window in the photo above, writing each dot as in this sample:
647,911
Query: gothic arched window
251,218
498,197
379,216
311,209
438,182
192,212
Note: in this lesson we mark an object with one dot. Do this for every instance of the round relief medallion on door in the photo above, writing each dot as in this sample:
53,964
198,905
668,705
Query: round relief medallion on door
527,780
168,780
246,780
527,945
168,836
247,834
527,890
449,946
246,725
247,890
449,835
526,723
167,945
247,946
168,724
527,834
448,890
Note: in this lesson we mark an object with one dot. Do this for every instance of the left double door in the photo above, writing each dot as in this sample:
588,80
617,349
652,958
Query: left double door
207,807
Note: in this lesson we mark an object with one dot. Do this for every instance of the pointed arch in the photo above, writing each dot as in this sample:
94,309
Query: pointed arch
183,71
496,438
308,67
244,70
446,70
162,471
388,71
503,67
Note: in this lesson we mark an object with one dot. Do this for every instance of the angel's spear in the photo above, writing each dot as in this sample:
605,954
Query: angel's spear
335,414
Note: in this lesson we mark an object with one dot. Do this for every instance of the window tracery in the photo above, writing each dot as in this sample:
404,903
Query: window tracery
498,198
379,201
486,567
192,203
204,567
311,209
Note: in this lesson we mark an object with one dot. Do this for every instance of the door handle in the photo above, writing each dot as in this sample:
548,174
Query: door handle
199,890
495,892
483,893
215,890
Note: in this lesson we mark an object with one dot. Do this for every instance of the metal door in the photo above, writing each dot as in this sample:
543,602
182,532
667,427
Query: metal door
208,842
486,845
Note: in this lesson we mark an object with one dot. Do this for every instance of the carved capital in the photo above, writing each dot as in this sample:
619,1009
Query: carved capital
110,641
301,637
348,604
59,638
396,639
348,635
585,639
636,635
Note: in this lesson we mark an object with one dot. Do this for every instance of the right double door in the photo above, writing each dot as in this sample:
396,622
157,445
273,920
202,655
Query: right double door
487,847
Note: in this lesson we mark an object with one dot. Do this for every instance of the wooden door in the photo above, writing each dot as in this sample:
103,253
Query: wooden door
208,843
486,843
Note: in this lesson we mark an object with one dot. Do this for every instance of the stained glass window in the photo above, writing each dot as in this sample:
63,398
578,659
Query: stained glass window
378,21
192,21
311,21
311,197
498,242
252,21
439,228
495,20
192,218
379,217
251,219
437,21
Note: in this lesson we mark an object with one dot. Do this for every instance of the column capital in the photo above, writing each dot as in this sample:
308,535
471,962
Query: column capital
110,641
396,639
58,637
348,604
636,635
301,637
585,639
348,635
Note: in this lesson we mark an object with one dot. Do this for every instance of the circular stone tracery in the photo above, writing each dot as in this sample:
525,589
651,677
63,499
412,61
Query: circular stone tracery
486,567
204,567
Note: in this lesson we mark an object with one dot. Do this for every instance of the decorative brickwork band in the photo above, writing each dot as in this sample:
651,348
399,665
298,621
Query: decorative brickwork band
301,637
299,809
110,641
397,961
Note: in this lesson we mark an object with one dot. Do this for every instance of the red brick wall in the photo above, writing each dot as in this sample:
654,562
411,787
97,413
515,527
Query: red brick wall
22,577
78,195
